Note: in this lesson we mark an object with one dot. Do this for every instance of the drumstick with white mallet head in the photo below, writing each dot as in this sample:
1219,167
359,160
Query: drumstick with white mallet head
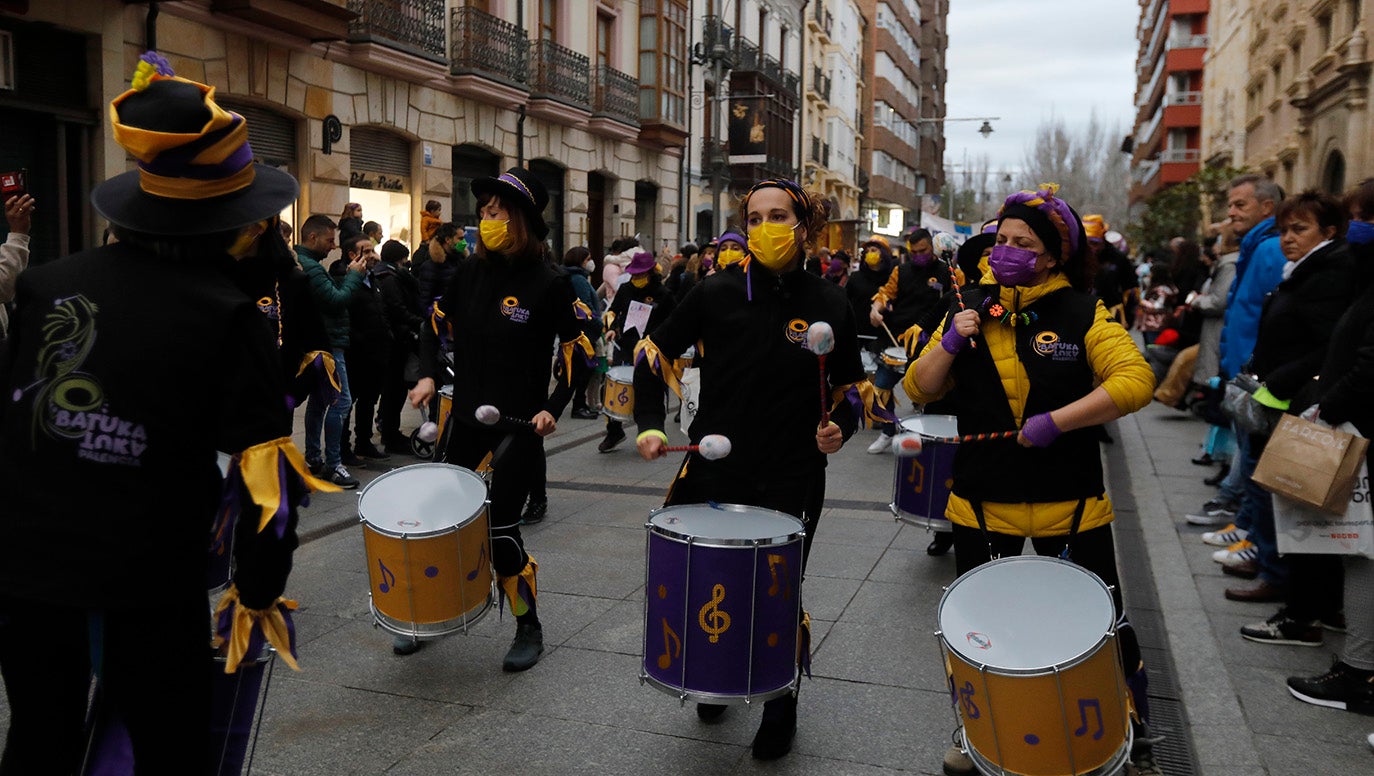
712,447
909,443
820,337
488,415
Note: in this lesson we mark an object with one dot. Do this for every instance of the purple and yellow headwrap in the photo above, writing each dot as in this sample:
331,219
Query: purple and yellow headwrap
1095,227
1051,218
801,201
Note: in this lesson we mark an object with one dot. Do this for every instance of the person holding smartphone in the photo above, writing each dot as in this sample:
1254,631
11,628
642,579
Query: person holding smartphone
14,253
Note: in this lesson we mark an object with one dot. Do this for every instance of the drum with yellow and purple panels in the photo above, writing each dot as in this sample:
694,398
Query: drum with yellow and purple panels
922,483
722,602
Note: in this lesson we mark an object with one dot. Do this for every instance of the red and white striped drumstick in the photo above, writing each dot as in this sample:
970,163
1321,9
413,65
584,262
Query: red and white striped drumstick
820,338
909,443
712,447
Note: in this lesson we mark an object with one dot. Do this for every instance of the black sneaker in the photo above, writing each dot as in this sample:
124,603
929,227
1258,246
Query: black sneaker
941,543
1344,687
1283,629
405,645
778,728
710,712
370,451
585,413
350,458
343,479
525,649
315,465
614,436
535,511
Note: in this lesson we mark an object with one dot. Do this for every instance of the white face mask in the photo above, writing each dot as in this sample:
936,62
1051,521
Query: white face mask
589,265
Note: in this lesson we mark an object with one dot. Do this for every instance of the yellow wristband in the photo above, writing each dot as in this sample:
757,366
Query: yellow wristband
653,432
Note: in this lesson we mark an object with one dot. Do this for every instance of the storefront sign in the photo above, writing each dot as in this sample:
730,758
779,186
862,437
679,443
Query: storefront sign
372,180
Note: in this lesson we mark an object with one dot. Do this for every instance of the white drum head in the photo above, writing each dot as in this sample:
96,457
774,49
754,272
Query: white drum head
895,353
932,426
622,374
447,391
726,524
1025,614
425,498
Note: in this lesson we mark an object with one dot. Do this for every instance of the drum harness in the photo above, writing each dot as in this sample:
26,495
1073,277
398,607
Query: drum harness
1066,554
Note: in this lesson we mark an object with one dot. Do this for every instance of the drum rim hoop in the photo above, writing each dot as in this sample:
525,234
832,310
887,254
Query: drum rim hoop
696,541
1109,634
452,528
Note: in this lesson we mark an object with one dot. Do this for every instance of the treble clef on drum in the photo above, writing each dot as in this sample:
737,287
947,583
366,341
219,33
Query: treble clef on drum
712,618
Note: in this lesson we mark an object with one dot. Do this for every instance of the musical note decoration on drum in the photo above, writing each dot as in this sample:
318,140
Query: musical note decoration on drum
924,470
425,533
712,618
618,396
722,602
1034,673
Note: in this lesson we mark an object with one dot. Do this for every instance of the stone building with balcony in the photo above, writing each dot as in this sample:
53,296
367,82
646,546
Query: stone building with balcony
1306,101
1168,126
902,155
746,104
832,124
1224,78
385,102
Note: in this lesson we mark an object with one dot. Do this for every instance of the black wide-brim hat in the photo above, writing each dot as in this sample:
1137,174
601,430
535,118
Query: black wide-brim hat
196,173
971,252
519,187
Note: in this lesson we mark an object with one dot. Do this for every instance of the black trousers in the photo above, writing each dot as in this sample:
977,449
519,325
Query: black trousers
515,456
156,681
1316,587
393,398
1093,549
365,381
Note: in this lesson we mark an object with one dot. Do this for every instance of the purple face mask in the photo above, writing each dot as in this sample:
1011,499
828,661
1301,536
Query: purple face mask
922,259
1012,266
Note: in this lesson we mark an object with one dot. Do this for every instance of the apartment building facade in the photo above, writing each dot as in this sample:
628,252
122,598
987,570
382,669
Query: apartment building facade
1173,40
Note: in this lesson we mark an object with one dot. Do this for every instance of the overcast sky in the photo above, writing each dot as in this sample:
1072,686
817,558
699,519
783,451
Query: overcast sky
1027,61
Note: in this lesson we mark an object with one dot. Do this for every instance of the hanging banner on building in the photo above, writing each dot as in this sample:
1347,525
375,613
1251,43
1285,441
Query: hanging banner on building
748,132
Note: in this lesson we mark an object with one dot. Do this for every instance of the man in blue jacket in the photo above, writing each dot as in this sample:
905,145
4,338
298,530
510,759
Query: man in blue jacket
317,240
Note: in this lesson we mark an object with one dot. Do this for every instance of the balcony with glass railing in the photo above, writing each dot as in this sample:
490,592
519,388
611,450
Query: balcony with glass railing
413,26
488,46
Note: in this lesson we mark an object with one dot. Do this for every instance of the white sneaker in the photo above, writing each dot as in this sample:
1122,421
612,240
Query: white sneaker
1240,554
1220,556
1371,740
1226,536
881,445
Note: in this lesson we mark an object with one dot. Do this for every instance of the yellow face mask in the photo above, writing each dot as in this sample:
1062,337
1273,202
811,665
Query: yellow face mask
494,234
729,256
873,259
773,244
639,281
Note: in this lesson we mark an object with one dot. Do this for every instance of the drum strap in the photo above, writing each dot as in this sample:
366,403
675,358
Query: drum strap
1066,554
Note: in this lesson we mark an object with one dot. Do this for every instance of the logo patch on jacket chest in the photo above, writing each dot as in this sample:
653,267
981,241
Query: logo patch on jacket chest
1048,345
510,307
796,330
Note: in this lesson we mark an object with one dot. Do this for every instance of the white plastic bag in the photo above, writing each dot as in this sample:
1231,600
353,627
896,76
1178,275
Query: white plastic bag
1306,529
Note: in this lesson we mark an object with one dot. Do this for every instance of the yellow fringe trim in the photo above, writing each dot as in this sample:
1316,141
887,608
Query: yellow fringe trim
661,365
258,466
511,587
909,338
327,359
871,398
241,629
588,350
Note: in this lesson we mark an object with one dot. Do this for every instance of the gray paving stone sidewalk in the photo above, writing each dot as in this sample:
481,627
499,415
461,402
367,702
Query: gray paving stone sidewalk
876,703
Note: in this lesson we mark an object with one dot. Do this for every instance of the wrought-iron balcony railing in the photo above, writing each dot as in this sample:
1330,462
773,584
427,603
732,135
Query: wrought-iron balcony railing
410,25
616,94
825,155
560,72
815,149
746,55
791,82
718,40
772,68
488,46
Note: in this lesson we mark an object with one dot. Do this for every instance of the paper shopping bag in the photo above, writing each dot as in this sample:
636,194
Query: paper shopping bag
1305,529
1310,463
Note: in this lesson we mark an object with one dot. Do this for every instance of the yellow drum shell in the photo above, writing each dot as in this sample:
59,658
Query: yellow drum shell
895,358
618,397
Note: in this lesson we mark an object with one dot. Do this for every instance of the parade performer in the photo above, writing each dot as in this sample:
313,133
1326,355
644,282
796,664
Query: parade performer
730,250
645,288
913,288
759,385
502,313
101,464
1049,360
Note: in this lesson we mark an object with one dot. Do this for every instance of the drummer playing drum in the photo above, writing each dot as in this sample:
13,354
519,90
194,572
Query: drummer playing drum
1050,362
639,306
759,386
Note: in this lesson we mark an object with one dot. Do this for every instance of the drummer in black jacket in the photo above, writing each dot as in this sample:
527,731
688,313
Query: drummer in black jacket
645,288
759,386
505,308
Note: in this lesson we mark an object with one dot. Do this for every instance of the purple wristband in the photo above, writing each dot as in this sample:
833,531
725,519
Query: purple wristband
953,342
1040,430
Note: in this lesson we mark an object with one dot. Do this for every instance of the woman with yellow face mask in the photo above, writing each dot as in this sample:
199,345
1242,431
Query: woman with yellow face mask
730,250
759,385
502,312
